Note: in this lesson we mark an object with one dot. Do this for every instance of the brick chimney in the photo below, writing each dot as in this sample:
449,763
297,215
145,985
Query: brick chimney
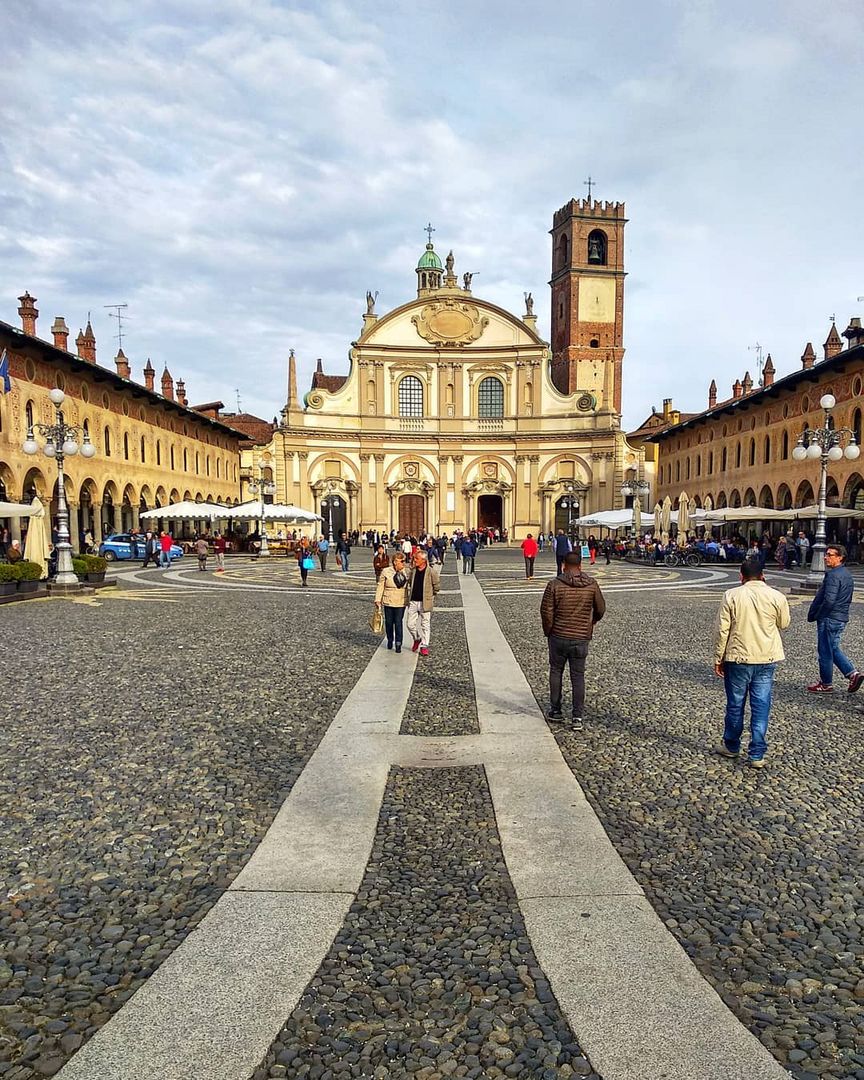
61,334
29,314
181,392
167,385
122,364
854,333
712,395
737,389
747,384
149,375
86,343
768,372
808,357
667,408
833,343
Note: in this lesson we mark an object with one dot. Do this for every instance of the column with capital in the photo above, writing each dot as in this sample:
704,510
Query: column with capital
304,493
381,519
534,508
521,497
458,498
367,500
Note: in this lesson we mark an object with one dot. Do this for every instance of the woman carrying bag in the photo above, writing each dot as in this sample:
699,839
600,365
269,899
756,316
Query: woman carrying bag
392,595
305,560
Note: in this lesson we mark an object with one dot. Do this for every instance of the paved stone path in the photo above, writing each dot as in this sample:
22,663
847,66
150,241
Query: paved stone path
633,999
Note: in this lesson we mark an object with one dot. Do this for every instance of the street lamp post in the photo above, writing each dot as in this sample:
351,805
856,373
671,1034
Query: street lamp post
570,503
824,444
636,488
262,487
61,441
331,501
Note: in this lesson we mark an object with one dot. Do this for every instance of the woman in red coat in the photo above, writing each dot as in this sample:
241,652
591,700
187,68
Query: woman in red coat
529,550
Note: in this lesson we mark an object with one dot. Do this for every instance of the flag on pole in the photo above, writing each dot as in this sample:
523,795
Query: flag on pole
4,373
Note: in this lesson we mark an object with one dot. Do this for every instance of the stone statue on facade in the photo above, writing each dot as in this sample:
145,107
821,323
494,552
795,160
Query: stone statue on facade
529,303
448,263
466,280
370,302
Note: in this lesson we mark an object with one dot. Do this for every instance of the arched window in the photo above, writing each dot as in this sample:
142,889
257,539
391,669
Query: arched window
767,449
677,471
856,425
785,445
158,453
207,464
723,460
410,396
197,462
85,427
563,252
28,412
126,446
738,456
172,457
699,465
752,451
490,398
218,468
710,462
688,468
107,443
143,451
597,247
185,461
805,435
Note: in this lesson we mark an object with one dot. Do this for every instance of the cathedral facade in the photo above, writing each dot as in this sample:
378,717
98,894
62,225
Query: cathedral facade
455,413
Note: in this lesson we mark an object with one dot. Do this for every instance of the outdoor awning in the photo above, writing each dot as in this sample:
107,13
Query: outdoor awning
16,510
761,513
284,512
189,511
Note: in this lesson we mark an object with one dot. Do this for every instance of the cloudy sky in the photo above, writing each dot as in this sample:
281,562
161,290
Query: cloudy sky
240,172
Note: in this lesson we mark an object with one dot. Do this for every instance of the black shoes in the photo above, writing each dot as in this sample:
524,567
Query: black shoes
554,714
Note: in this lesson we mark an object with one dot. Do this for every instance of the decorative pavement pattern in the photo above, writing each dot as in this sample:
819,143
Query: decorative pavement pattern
147,760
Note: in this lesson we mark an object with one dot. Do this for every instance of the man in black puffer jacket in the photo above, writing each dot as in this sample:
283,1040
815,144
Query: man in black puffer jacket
570,607
830,612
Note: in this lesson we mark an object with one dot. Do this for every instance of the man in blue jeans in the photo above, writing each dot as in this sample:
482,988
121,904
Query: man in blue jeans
830,612
747,648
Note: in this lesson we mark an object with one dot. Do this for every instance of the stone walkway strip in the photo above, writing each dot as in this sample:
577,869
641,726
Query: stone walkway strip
212,1009
636,1003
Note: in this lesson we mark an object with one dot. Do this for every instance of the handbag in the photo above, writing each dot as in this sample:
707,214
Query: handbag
307,563
376,621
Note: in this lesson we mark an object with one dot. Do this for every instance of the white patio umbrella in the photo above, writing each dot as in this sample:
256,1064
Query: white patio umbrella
657,513
683,514
666,518
16,510
284,512
637,516
38,542
188,511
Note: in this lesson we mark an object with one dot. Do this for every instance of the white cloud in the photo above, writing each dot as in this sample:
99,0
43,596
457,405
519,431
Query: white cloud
241,173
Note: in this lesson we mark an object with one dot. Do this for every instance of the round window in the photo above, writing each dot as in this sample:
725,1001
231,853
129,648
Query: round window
805,404
85,392
30,370
60,380
785,410
857,386
142,415
106,401
125,408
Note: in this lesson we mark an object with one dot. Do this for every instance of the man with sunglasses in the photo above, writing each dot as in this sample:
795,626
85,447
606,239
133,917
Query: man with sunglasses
830,612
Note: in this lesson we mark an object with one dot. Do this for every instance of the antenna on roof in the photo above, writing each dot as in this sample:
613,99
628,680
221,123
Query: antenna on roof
760,363
237,392
119,316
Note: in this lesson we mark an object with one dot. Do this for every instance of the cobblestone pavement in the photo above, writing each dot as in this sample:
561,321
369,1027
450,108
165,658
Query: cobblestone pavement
145,761
757,874
432,974
148,736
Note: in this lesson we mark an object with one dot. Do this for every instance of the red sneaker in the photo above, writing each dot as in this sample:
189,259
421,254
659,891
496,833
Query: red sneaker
820,688
424,651
416,644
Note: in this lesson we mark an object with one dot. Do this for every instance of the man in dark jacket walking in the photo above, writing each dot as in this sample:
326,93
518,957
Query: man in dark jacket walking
562,548
830,612
570,607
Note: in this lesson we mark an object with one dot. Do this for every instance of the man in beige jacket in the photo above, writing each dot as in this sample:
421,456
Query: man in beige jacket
747,647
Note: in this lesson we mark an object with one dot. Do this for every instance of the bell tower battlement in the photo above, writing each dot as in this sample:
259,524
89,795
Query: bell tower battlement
588,297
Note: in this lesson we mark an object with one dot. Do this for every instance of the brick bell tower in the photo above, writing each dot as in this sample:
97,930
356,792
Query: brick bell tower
588,299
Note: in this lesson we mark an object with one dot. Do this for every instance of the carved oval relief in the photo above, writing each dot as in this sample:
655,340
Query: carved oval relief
451,324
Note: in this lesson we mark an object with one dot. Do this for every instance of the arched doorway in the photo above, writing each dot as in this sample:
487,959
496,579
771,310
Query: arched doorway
412,514
490,512
334,510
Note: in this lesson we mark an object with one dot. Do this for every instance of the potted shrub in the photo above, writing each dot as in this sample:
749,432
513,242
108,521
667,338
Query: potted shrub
79,565
96,567
8,579
29,575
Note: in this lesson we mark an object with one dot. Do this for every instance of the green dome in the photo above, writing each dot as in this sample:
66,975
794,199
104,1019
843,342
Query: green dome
429,260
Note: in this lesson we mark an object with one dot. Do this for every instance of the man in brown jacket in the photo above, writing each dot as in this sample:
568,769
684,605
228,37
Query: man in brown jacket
571,604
